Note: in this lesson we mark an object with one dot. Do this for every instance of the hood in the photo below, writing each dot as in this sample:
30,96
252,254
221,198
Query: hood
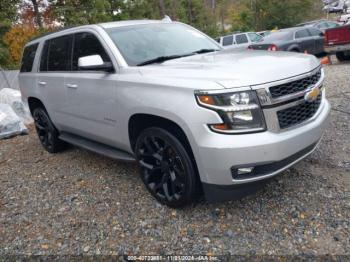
234,69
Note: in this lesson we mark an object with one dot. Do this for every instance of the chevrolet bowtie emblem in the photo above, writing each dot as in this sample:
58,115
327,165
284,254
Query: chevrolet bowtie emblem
312,94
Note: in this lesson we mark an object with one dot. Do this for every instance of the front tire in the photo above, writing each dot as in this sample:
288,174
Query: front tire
341,56
47,133
166,168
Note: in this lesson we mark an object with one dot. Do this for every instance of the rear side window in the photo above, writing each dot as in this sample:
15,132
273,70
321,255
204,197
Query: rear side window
227,40
241,39
315,32
254,37
332,25
322,25
59,58
56,54
28,58
86,44
302,34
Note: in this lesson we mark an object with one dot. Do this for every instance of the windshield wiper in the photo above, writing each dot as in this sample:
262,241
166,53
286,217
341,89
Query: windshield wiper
161,59
206,50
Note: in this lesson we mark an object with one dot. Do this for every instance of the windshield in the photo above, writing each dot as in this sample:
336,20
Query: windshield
282,35
141,43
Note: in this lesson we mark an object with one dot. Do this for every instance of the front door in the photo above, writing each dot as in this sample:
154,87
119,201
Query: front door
91,95
305,41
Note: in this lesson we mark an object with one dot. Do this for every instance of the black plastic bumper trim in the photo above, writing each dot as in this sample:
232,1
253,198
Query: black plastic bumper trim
268,168
218,193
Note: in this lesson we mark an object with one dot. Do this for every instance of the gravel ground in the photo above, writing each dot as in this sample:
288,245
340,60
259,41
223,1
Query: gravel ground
78,202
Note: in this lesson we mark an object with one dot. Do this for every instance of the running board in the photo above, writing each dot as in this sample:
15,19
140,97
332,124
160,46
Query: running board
96,147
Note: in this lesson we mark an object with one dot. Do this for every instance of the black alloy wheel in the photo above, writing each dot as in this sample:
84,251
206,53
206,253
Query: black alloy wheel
47,133
166,168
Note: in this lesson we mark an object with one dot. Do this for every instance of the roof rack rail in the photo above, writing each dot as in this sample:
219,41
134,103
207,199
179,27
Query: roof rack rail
52,32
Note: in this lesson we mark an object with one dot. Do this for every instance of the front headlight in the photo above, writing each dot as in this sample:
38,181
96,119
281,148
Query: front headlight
240,111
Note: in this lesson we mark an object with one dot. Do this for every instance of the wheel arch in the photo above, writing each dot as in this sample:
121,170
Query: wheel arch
294,48
140,121
33,103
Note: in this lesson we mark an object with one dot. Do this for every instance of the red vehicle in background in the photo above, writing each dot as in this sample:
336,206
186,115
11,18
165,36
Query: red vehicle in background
337,41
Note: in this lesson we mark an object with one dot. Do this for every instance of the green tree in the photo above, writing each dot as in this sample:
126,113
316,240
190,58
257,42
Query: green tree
8,11
269,14
80,12
8,14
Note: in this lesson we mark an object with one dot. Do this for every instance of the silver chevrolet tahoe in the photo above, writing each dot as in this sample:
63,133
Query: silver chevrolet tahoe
199,120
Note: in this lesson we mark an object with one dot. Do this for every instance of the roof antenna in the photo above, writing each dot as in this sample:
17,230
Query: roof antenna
167,19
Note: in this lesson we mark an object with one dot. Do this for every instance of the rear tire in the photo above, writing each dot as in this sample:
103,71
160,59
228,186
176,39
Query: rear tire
166,168
341,56
47,133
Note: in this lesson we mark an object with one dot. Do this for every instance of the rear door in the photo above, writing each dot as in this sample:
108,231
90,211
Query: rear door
91,95
305,41
227,40
242,41
319,40
54,64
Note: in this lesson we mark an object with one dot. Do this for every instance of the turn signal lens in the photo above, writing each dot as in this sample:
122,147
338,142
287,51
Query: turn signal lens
207,100
220,127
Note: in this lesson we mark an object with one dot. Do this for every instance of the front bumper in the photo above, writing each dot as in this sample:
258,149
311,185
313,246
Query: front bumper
216,193
337,48
269,152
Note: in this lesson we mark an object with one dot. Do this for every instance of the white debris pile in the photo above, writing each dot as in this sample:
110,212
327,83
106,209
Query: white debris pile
10,123
14,114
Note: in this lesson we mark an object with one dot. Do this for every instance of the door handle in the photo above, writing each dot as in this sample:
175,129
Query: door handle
72,86
41,83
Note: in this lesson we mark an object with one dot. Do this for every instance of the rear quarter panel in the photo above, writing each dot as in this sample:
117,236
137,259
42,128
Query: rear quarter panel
27,81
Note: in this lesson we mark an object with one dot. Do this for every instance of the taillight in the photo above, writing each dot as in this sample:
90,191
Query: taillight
326,38
272,48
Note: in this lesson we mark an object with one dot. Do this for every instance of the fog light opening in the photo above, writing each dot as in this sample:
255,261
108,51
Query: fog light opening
245,170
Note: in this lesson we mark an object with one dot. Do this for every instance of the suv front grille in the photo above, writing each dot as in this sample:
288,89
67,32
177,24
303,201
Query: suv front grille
297,114
295,86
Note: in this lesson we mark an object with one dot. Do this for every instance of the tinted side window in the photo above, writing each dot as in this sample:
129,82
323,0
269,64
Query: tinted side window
332,25
227,40
86,44
315,32
302,34
59,57
254,37
28,58
241,39
323,25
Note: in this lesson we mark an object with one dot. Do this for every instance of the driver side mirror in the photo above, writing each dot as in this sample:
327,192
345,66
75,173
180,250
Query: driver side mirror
94,63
